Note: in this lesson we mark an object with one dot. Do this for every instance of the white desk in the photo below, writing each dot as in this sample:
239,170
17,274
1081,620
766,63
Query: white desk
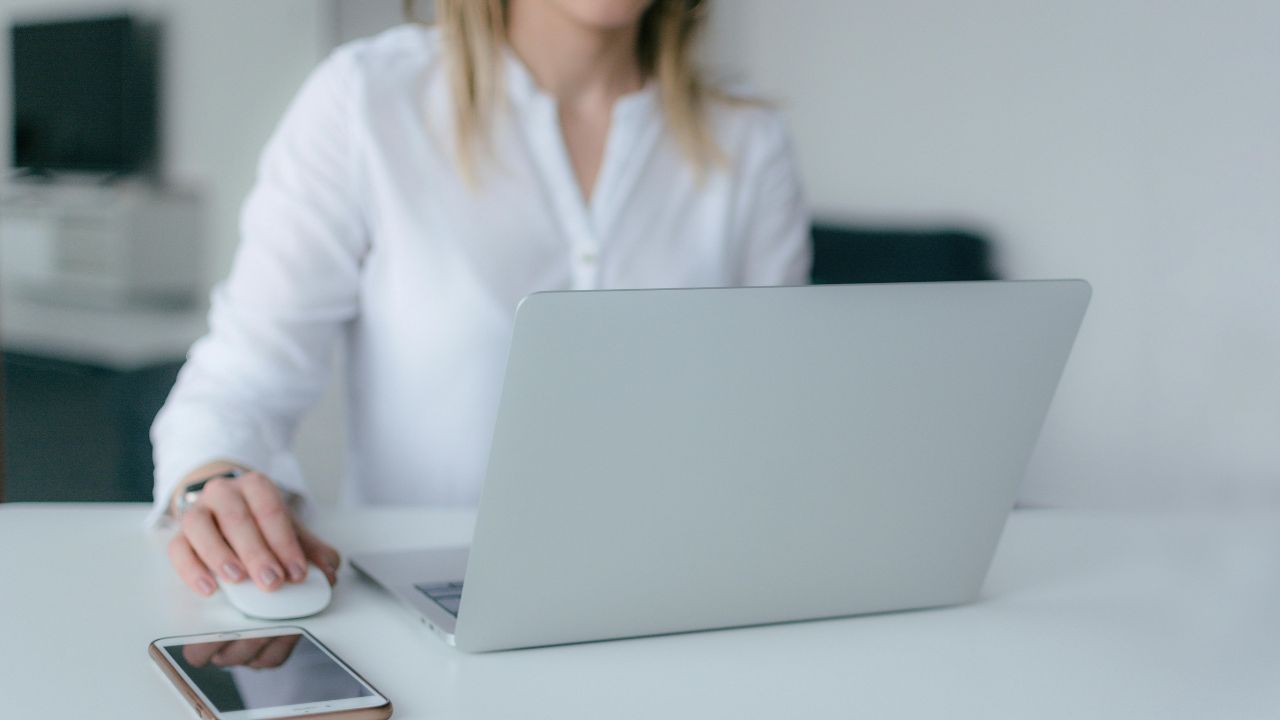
1087,615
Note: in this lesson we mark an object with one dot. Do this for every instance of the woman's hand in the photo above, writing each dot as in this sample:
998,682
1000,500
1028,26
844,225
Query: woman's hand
242,528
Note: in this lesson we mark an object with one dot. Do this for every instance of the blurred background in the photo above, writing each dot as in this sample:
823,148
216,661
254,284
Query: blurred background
1128,142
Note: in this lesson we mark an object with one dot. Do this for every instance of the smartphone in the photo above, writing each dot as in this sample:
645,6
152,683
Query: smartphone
275,672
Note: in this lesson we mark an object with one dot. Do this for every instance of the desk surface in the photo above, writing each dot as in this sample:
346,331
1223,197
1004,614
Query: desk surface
1086,614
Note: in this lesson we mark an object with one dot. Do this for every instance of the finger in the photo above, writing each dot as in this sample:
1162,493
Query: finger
239,527
275,522
320,553
276,652
206,539
192,571
240,652
198,654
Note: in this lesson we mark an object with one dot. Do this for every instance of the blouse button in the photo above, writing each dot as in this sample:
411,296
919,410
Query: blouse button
587,258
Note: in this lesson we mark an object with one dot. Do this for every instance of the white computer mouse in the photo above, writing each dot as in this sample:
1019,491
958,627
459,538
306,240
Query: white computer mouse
289,601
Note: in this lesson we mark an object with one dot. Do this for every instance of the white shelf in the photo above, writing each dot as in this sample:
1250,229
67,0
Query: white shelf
120,339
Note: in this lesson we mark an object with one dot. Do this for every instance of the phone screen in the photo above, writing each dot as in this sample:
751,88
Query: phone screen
255,673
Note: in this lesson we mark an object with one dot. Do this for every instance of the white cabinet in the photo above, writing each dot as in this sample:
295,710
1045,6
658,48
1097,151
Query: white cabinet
102,246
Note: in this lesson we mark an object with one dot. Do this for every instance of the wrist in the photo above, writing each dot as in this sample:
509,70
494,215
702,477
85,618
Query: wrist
188,490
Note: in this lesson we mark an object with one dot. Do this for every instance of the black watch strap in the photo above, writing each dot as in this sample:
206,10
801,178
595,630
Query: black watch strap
191,493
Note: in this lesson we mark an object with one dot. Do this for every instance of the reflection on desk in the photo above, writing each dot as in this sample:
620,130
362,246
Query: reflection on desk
1085,615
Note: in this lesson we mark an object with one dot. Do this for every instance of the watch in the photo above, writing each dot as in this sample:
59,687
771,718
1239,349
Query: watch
191,494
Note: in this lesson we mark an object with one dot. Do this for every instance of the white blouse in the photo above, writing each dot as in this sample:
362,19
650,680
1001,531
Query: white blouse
360,232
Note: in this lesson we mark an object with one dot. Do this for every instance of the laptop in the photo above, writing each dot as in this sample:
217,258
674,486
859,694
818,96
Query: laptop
667,461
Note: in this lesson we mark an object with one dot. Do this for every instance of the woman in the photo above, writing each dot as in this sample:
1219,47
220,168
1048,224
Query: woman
421,184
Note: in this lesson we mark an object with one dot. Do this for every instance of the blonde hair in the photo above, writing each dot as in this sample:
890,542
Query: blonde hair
475,30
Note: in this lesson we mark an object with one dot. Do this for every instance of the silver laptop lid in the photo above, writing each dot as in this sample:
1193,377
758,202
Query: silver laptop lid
673,460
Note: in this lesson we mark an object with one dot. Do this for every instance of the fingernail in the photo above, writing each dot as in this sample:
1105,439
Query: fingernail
296,572
233,572
270,576
205,586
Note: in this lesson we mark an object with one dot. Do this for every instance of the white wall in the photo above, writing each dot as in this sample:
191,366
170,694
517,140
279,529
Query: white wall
1129,142
355,19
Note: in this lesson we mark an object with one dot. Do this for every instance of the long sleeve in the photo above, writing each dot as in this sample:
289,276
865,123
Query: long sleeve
776,225
293,285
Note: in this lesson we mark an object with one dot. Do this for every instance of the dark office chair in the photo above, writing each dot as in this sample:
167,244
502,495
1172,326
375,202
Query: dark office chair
855,254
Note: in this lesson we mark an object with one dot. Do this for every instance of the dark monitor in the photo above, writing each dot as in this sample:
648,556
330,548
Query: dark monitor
85,95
